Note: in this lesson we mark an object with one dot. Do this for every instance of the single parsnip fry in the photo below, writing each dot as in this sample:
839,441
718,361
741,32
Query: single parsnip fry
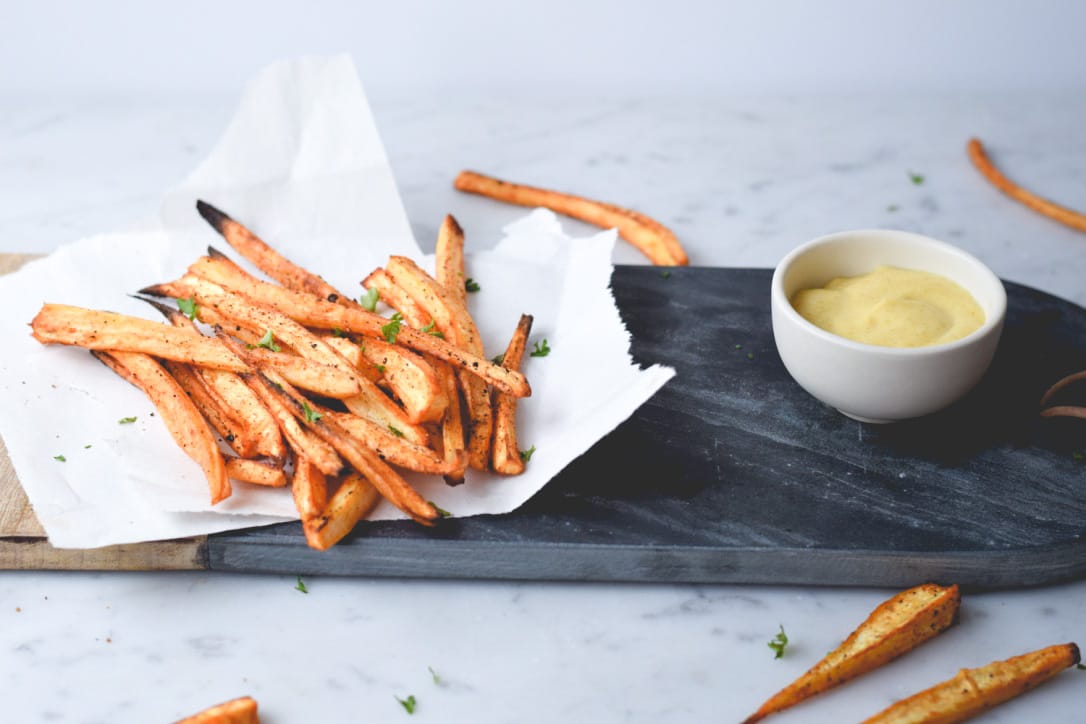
178,413
451,318
309,488
263,257
974,691
396,298
452,425
650,236
896,627
369,400
320,314
353,499
449,263
364,460
236,711
106,331
1054,211
505,454
252,431
411,379
257,472
391,448
233,434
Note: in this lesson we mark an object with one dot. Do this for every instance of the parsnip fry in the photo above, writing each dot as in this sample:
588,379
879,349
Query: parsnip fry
896,627
396,450
974,691
1054,211
309,488
177,412
449,264
505,453
648,235
452,425
411,379
354,498
236,711
257,472
394,296
236,436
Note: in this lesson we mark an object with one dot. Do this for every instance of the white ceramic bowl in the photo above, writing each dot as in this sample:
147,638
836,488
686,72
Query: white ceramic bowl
868,382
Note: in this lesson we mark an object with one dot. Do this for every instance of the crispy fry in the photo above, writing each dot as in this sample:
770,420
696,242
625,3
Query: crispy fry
1054,211
62,324
257,472
449,265
411,379
396,450
648,235
974,691
896,627
266,259
235,711
236,436
354,498
387,481
178,413
309,488
318,313
452,425
452,319
505,454
396,298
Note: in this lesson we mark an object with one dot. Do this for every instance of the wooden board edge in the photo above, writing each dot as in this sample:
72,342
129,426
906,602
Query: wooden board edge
34,553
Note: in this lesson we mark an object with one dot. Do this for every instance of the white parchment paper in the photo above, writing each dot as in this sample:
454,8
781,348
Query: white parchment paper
301,164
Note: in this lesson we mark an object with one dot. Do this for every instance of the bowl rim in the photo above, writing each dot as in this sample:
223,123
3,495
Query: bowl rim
781,302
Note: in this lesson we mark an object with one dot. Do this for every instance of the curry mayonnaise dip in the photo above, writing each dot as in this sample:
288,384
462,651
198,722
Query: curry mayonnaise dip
892,307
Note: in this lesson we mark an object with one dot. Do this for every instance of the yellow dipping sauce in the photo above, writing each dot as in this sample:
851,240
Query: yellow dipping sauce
892,307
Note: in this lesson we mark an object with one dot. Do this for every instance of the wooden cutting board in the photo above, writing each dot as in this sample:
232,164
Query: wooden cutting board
732,473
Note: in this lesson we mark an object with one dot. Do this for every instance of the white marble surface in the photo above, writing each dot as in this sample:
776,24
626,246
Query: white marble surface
741,180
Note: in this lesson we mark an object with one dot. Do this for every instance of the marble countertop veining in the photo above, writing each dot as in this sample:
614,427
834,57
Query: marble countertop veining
741,181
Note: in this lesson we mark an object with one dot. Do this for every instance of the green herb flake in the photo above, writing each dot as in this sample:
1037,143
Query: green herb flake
498,358
470,285
126,420
526,455
337,332
300,586
916,178
189,307
1078,456
779,644
892,208
433,674
540,349
87,446
739,346
1081,667
409,703
750,355
369,299
268,342
395,431
429,329
60,458
665,274
440,511
392,330
311,415
380,368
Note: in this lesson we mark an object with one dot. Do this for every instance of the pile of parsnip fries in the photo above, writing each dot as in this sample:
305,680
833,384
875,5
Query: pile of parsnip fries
308,387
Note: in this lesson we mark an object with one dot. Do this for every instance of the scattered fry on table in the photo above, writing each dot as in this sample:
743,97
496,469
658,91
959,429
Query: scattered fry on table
653,239
236,711
974,691
896,627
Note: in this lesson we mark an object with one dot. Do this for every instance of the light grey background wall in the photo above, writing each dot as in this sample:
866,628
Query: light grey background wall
554,46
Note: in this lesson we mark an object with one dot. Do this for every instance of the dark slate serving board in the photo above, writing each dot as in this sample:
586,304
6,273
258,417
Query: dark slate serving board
732,473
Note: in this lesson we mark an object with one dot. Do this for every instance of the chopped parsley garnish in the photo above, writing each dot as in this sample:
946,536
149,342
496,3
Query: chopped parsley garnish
392,330
750,355
380,368
433,674
408,704
916,178
779,644
189,307
369,299
300,586
337,332
892,208
1078,456
665,274
739,346
126,420
311,415
60,458
498,358
526,455
470,285
268,342
540,349
395,431
87,446
444,514
1081,667
429,329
